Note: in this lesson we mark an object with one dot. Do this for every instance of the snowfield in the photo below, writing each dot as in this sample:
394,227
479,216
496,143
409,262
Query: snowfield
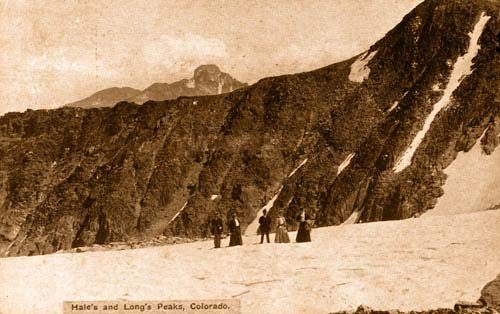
412,264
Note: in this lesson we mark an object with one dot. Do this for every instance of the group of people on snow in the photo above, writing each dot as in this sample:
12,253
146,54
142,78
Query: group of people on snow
265,222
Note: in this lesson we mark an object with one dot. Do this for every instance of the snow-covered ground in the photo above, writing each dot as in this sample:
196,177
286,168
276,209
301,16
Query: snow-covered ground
461,69
417,264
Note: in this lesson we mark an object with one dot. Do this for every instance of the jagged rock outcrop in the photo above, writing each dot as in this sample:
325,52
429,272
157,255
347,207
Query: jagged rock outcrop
207,80
72,177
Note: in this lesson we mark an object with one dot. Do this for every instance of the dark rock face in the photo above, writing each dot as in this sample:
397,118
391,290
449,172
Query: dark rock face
490,294
207,80
72,177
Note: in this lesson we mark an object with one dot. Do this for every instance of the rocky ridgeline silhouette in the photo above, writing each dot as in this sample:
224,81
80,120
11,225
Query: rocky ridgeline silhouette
206,80
72,177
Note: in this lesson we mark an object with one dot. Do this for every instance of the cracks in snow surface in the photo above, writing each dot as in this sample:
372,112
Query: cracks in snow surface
461,69
359,69
345,163
252,228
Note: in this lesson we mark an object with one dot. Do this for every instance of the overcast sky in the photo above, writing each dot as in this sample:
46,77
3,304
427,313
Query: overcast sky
61,51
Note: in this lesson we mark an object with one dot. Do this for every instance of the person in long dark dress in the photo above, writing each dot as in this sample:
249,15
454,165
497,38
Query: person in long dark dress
235,229
304,232
217,229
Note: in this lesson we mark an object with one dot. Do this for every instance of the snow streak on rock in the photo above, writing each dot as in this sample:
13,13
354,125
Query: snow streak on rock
177,214
298,167
359,69
252,228
461,68
394,105
352,219
345,163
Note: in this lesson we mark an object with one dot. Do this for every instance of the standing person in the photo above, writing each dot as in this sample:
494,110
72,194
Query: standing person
281,233
304,232
217,228
235,229
265,226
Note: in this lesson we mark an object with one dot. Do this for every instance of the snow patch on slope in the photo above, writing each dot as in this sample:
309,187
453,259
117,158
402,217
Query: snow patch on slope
461,68
345,163
359,69
472,183
252,228
396,103
298,167
352,219
177,214
384,265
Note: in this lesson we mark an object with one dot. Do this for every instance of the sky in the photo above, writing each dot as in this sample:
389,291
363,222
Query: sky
57,52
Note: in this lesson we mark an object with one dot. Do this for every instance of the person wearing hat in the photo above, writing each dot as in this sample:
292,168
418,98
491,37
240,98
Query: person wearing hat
265,226
235,230
217,228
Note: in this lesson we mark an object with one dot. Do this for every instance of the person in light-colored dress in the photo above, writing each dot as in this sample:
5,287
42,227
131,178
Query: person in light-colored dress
281,233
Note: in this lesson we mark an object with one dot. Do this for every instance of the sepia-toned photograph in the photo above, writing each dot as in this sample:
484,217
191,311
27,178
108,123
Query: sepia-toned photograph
250,156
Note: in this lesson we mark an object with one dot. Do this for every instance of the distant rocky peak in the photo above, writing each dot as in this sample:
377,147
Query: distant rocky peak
211,80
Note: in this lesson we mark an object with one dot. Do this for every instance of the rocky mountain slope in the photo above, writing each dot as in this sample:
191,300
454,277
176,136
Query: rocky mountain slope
368,137
206,80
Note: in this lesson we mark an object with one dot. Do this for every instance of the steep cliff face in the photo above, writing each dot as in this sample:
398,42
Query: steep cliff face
371,135
207,80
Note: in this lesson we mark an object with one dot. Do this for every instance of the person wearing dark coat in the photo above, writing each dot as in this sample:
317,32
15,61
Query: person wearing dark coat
304,232
265,226
235,230
217,228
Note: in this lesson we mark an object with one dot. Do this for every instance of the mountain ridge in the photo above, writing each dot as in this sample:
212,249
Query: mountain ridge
207,79
130,172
